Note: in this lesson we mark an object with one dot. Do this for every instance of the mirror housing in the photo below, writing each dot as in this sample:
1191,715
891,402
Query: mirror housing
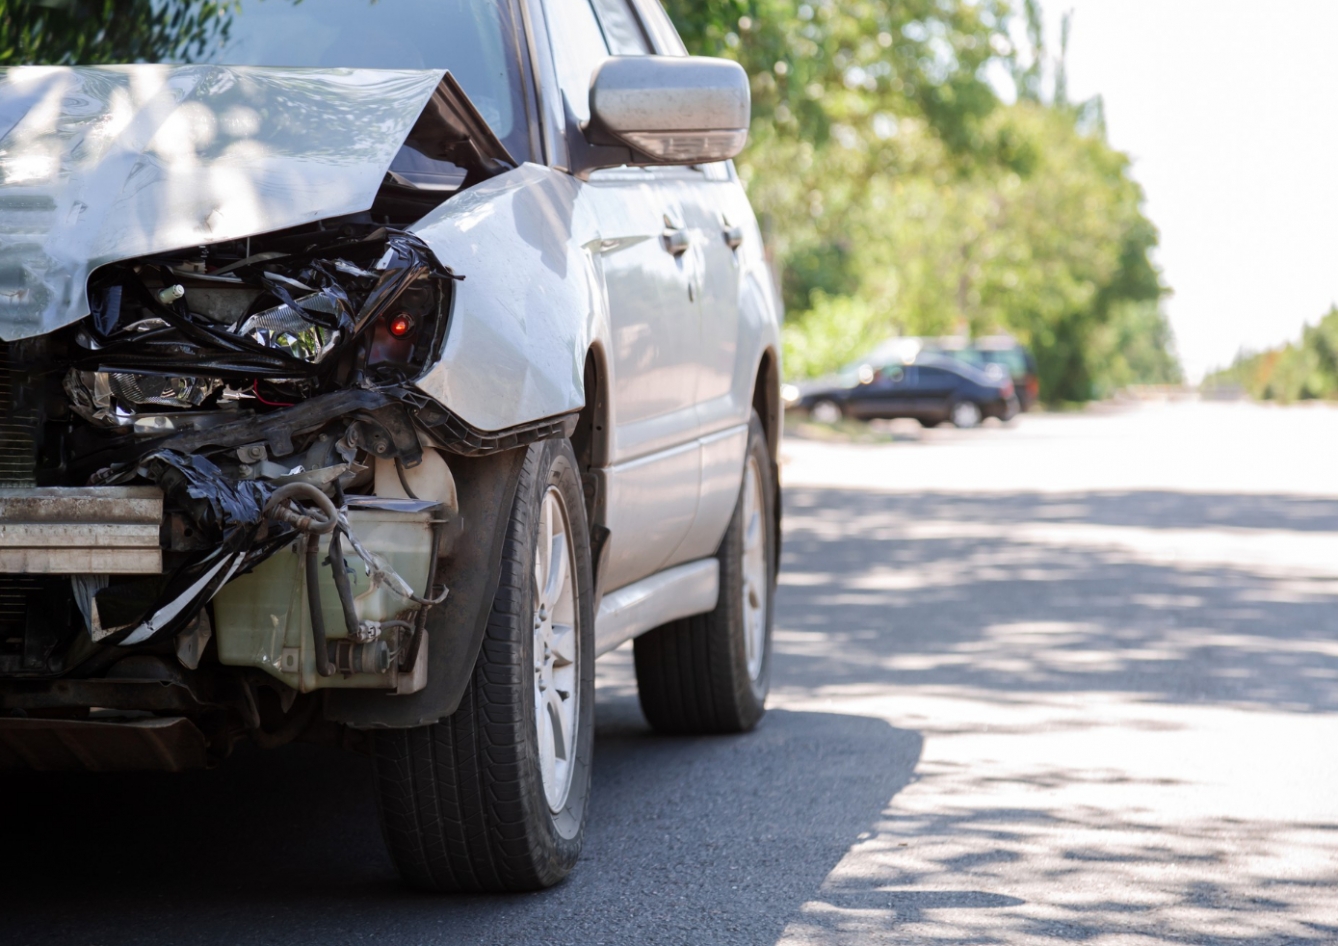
658,110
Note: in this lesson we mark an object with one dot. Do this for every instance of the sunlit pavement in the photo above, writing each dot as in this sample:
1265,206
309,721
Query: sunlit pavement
1117,635
1070,681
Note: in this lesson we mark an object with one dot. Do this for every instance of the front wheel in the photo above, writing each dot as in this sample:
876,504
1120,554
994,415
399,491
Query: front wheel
493,798
826,412
965,415
710,673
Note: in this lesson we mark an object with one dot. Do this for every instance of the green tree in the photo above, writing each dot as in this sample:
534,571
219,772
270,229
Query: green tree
900,194
1303,370
91,32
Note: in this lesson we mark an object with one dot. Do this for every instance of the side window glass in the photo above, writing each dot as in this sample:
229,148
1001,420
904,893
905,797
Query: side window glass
622,29
578,49
666,38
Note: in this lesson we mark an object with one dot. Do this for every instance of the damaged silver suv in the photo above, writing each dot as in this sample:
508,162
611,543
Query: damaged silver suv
368,369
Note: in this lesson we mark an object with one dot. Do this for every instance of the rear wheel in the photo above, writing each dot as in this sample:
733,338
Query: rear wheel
493,798
710,673
825,412
965,415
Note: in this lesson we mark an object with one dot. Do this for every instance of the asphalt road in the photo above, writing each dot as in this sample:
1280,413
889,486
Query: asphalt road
1076,680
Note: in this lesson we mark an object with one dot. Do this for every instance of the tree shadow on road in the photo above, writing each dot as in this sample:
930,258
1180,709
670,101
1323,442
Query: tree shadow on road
1014,609
996,603
1031,875
703,840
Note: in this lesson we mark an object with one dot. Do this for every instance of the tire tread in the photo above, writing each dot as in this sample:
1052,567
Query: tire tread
690,678
453,795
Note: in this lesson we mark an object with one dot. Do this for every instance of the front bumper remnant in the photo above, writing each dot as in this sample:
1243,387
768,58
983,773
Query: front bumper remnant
102,530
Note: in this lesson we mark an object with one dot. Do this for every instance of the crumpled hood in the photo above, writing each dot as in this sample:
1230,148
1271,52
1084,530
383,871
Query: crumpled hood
99,164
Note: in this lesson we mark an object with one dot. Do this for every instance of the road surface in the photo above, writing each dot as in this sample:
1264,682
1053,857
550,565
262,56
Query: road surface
1071,681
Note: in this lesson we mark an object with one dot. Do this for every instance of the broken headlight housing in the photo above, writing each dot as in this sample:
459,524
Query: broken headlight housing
229,328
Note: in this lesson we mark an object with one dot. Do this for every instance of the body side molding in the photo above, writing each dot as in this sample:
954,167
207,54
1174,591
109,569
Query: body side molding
674,593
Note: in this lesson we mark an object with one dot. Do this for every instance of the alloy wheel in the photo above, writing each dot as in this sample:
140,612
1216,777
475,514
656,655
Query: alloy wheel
555,649
965,415
825,412
754,570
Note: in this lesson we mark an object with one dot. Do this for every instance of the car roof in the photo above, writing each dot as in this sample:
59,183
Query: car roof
954,365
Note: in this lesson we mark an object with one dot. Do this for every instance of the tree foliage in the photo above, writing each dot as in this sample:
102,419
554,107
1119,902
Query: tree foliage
900,193
1303,370
89,32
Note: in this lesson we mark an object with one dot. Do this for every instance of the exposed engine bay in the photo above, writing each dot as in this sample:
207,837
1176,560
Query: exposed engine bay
225,467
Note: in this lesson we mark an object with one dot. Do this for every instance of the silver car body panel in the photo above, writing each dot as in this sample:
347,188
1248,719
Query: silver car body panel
678,592
521,317
100,164
681,335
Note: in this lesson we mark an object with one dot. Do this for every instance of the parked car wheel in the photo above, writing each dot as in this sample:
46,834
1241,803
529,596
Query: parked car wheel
493,798
965,415
710,673
825,412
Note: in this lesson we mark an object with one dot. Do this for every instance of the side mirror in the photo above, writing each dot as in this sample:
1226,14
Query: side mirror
649,110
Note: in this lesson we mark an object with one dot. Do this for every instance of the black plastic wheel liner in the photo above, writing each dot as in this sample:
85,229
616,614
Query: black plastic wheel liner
486,487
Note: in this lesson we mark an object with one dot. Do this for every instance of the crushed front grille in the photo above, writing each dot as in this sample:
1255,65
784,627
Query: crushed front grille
17,595
18,430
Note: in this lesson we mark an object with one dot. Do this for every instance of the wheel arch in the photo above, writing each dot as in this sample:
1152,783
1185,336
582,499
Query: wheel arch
767,402
766,399
486,488
591,441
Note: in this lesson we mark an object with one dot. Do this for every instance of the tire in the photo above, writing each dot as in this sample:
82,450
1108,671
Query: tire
489,799
965,415
710,673
825,412
929,422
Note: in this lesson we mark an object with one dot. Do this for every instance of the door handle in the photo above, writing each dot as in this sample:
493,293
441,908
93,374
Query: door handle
675,240
733,237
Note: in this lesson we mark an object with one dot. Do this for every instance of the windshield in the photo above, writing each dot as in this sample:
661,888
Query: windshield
474,39
1010,359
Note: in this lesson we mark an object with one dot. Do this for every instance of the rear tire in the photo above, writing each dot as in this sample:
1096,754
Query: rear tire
493,798
710,673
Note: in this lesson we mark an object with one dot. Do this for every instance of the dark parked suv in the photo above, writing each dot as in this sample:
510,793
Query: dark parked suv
931,390
998,356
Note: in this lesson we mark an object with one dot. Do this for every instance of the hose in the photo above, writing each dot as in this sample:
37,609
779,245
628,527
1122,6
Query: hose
324,666
410,660
342,586
404,480
312,525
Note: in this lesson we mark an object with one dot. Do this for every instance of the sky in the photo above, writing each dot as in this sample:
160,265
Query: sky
1230,112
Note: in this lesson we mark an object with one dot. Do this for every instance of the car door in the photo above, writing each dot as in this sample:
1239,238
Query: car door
649,282
935,390
709,200
889,393
707,196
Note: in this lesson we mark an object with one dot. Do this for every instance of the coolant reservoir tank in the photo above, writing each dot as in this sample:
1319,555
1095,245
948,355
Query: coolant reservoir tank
261,618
